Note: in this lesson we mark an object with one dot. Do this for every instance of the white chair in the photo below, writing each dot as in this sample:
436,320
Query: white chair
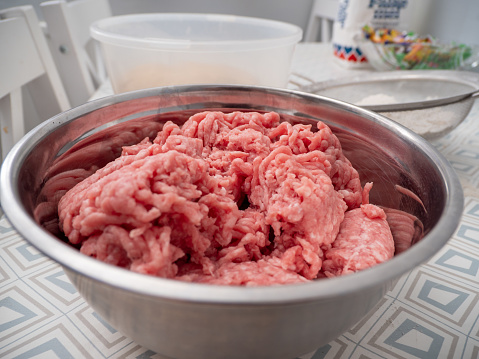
30,87
76,54
323,14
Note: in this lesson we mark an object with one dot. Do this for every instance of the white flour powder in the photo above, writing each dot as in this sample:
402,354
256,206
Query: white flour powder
378,99
428,123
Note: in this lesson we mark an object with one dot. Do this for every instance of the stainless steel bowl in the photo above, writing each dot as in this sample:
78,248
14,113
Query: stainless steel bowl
184,320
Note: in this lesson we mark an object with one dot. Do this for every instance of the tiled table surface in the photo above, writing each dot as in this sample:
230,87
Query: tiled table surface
432,312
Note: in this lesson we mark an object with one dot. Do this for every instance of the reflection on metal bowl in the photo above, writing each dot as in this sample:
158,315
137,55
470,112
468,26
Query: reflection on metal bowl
186,320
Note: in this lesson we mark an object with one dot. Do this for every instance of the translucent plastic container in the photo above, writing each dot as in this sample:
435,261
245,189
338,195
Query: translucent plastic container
161,49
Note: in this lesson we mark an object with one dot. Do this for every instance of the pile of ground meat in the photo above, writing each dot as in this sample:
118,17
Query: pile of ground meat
238,198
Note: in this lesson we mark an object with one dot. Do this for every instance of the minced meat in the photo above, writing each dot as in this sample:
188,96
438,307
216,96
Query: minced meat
238,198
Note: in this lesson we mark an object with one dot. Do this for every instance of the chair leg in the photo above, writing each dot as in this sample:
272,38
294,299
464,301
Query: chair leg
326,30
11,120
311,34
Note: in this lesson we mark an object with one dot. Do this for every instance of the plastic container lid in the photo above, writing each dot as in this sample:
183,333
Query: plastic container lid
195,32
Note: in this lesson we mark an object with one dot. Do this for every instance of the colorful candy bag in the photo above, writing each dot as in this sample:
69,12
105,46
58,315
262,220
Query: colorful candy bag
354,14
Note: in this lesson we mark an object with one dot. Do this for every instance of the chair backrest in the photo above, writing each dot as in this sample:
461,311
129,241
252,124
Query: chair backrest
30,87
321,19
76,54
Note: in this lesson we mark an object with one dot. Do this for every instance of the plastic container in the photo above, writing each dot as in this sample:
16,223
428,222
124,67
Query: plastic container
161,49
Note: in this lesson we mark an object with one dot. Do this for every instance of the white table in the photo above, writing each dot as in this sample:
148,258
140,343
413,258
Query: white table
432,311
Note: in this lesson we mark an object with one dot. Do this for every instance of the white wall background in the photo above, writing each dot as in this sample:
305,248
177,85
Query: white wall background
294,11
447,20
453,20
